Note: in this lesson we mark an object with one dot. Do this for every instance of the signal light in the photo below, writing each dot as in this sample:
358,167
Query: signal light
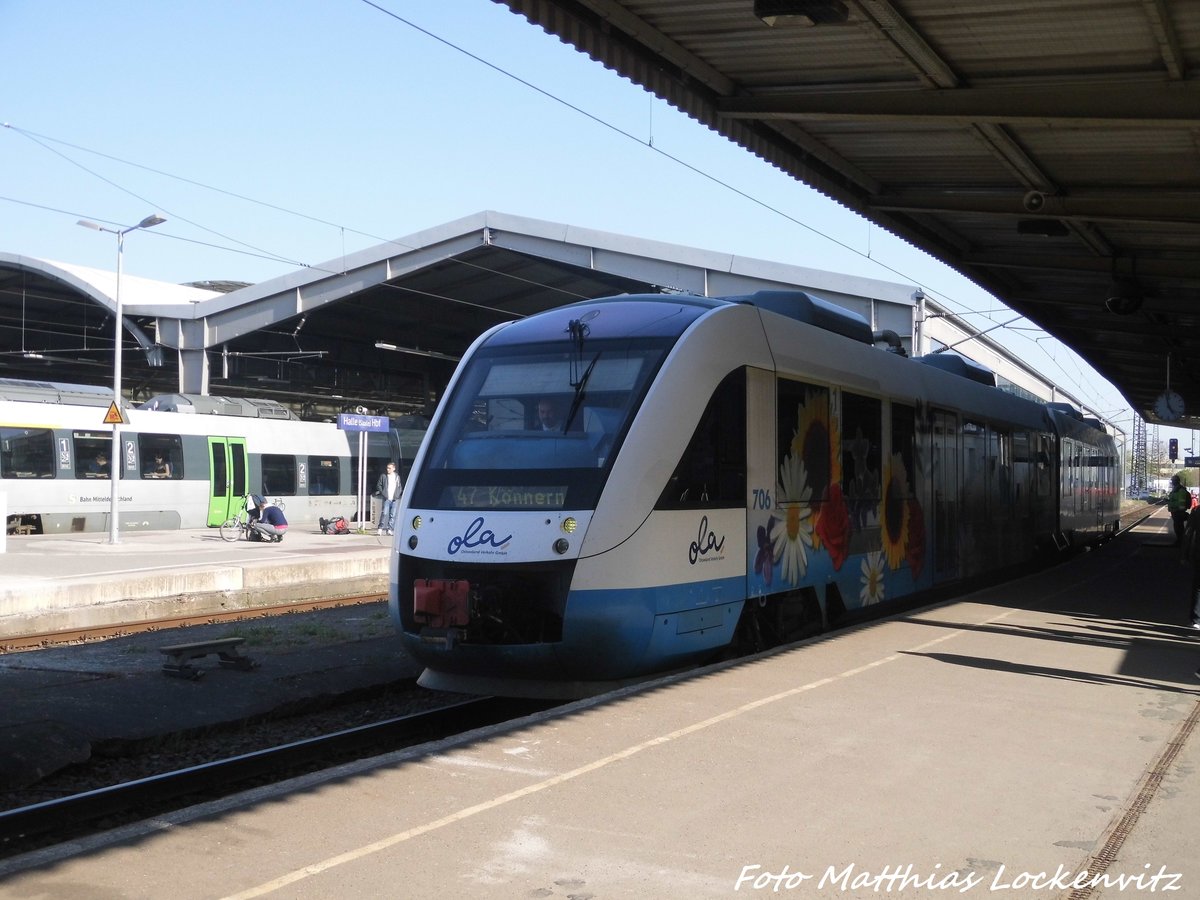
1173,449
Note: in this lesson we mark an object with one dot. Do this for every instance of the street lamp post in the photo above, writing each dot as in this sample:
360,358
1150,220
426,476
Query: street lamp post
115,461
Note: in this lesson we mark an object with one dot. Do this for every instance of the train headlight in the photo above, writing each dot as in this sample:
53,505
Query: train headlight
416,522
569,524
561,546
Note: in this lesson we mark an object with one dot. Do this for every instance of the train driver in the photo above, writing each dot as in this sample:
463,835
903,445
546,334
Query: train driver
549,412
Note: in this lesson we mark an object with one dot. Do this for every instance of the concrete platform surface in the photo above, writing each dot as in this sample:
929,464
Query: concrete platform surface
59,582
996,746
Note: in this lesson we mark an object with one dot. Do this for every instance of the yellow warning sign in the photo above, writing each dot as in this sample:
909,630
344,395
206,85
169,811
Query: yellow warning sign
113,416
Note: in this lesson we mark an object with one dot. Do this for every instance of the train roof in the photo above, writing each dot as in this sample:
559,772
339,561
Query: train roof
54,392
62,394
198,404
646,315
650,321
960,366
811,310
1071,421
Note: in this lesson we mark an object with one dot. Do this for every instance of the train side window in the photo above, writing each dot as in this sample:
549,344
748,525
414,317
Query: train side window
161,455
804,448
27,453
92,451
324,475
904,442
711,474
278,475
862,469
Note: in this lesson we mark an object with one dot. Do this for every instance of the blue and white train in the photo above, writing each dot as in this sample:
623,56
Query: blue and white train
187,461
718,474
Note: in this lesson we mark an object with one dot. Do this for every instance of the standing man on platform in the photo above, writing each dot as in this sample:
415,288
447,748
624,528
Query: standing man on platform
388,487
1179,501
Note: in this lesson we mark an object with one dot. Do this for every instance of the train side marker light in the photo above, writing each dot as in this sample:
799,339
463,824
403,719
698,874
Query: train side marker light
412,542
561,546
569,524
416,522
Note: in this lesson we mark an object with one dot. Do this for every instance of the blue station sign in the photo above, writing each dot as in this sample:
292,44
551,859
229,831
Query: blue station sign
359,422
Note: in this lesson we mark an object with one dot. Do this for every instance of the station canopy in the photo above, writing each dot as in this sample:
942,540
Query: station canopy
1049,151
381,329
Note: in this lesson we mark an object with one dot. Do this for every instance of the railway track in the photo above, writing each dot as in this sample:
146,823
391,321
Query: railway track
47,639
36,826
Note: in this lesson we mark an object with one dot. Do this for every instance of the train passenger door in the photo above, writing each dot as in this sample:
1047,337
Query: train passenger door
228,477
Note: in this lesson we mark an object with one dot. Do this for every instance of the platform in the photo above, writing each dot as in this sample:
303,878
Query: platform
997,745
60,582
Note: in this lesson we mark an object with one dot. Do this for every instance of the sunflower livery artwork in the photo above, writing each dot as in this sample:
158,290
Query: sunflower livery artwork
840,518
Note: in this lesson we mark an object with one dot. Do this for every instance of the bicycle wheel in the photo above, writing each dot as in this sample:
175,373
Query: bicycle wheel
232,529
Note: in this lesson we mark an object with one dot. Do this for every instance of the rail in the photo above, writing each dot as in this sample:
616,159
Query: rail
69,818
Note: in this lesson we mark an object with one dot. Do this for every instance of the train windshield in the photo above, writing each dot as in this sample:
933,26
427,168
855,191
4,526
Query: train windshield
536,426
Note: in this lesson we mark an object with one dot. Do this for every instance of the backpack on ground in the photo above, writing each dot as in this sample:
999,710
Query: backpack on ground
336,525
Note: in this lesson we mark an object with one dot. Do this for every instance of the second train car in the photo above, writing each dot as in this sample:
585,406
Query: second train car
633,485
186,461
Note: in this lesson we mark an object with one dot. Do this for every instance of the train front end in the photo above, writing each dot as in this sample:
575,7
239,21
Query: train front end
484,587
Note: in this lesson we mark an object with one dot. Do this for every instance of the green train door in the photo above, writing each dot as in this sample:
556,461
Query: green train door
228,478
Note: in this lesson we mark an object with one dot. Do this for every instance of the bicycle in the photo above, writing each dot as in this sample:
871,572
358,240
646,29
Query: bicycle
237,526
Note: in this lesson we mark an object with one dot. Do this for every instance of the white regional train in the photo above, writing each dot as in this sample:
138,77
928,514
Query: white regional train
187,461
722,473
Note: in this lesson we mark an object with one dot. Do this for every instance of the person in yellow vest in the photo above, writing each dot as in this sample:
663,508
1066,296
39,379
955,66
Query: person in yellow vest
1179,501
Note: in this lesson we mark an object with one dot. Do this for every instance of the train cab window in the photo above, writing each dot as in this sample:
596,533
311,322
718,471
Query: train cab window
27,453
161,456
711,474
324,475
92,452
278,475
492,449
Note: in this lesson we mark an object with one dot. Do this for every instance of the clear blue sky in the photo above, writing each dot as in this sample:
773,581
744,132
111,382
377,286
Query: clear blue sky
277,134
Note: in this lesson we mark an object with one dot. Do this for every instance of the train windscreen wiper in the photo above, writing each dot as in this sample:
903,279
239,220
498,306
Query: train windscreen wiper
579,393
578,331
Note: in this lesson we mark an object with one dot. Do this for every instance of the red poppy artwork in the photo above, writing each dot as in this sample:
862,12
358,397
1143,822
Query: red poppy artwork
833,525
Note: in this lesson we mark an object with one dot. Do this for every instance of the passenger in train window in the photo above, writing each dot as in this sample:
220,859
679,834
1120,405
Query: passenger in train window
160,468
267,522
98,467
